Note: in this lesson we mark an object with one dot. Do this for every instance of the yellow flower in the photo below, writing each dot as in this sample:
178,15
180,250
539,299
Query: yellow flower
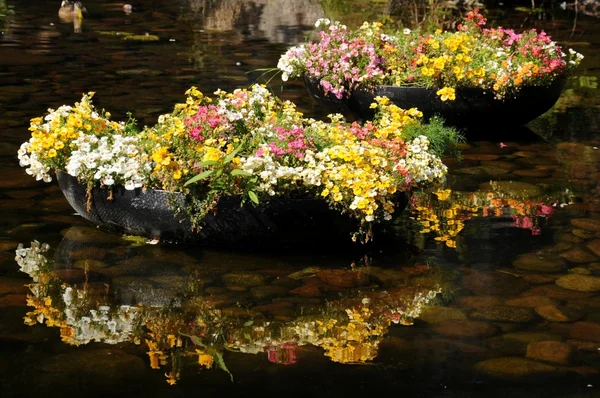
427,71
439,62
211,154
52,153
177,174
161,156
447,93
171,378
443,194
205,360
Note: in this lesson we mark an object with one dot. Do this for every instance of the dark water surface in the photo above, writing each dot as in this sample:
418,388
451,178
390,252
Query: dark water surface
489,288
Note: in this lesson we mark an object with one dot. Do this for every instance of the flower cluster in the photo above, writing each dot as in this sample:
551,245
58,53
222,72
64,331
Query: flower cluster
86,144
246,143
498,60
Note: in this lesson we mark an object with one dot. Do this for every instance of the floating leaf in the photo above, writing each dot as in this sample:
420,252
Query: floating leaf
114,33
142,38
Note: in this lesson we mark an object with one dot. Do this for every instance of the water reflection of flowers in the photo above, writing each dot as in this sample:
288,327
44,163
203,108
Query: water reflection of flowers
70,308
443,212
349,329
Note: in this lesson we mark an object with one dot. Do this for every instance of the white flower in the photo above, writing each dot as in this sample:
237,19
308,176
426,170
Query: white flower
322,21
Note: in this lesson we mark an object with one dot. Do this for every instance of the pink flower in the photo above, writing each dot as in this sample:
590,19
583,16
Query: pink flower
546,209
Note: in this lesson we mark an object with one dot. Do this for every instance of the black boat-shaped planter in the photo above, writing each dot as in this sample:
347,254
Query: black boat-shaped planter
472,108
277,223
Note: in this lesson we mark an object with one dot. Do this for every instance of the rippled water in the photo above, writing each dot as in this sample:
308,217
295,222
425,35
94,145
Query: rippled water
490,287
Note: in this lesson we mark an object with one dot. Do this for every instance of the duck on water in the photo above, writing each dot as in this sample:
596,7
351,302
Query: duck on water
72,12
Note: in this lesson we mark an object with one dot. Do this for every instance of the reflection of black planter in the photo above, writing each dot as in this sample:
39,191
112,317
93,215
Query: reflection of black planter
276,223
472,107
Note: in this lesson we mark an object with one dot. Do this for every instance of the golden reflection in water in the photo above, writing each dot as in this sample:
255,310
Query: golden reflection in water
196,332
442,213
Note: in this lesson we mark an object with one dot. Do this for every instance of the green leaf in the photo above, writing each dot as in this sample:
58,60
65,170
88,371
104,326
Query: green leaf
208,163
230,157
253,196
195,339
249,323
238,172
221,364
199,177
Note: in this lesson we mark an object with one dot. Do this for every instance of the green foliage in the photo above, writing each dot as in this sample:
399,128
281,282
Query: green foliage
442,139
224,176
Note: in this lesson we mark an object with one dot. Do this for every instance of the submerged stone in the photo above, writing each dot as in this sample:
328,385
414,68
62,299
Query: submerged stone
343,278
588,331
537,262
539,279
583,234
268,292
559,313
479,301
594,246
441,314
580,283
493,283
580,271
578,255
588,224
517,369
246,279
536,173
504,314
556,292
550,351
528,337
531,301
462,328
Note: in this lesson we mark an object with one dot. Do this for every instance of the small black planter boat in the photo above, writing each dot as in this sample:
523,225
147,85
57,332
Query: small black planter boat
278,223
473,108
